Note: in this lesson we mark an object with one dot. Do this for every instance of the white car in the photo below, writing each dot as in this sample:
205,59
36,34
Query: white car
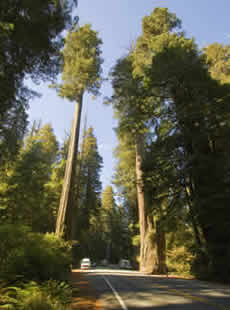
85,263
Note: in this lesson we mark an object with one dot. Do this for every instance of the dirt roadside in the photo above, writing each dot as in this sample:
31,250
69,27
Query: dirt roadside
83,297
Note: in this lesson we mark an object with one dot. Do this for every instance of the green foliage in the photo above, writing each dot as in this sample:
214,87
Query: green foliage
37,301
82,63
99,223
115,227
12,130
136,241
81,72
90,166
180,247
179,260
173,68
23,184
108,201
125,177
217,57
58,290
23,55
158,22
53,188
33,256
129,99
49,295
88,191
178,96
7,296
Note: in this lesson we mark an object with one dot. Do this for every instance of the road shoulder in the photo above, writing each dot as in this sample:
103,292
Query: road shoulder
83,296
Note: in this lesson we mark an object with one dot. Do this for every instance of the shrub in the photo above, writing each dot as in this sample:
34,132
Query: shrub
60,291
12,241
47,257
51,295
8,296
37,301
33,255
179,260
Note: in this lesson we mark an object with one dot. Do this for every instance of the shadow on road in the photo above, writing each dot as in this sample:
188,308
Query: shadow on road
140,291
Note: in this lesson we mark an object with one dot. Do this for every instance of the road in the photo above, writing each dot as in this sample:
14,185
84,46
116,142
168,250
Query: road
131,290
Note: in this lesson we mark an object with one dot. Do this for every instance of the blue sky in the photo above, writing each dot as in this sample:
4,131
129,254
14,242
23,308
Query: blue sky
119,24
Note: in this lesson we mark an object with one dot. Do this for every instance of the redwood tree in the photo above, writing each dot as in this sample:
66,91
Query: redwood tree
81,73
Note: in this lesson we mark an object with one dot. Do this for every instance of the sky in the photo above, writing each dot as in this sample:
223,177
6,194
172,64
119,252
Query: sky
118,23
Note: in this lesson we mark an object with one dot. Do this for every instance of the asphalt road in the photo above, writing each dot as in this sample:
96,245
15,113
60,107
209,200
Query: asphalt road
131,290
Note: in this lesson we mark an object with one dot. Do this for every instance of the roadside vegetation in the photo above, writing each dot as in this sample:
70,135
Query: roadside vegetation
34,263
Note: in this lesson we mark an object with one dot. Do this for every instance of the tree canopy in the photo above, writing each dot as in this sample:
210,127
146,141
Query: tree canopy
82,63
30,42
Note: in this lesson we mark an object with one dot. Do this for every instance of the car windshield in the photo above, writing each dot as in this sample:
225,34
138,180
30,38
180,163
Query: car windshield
85,260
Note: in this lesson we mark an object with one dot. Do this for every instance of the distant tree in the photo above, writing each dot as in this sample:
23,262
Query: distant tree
88,179
87,223
23,187
115,227
53,188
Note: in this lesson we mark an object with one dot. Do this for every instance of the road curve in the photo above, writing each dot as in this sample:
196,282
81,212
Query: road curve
131,290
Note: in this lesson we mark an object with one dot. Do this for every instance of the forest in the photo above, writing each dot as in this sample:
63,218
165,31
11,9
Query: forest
167,208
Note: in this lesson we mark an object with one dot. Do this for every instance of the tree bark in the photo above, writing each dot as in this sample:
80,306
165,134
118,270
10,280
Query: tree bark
161,249
66,207
147,257
149,261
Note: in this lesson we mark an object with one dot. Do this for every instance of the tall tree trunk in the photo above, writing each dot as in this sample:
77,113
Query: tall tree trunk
140,198
66,207
149,261
147,257
161,249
